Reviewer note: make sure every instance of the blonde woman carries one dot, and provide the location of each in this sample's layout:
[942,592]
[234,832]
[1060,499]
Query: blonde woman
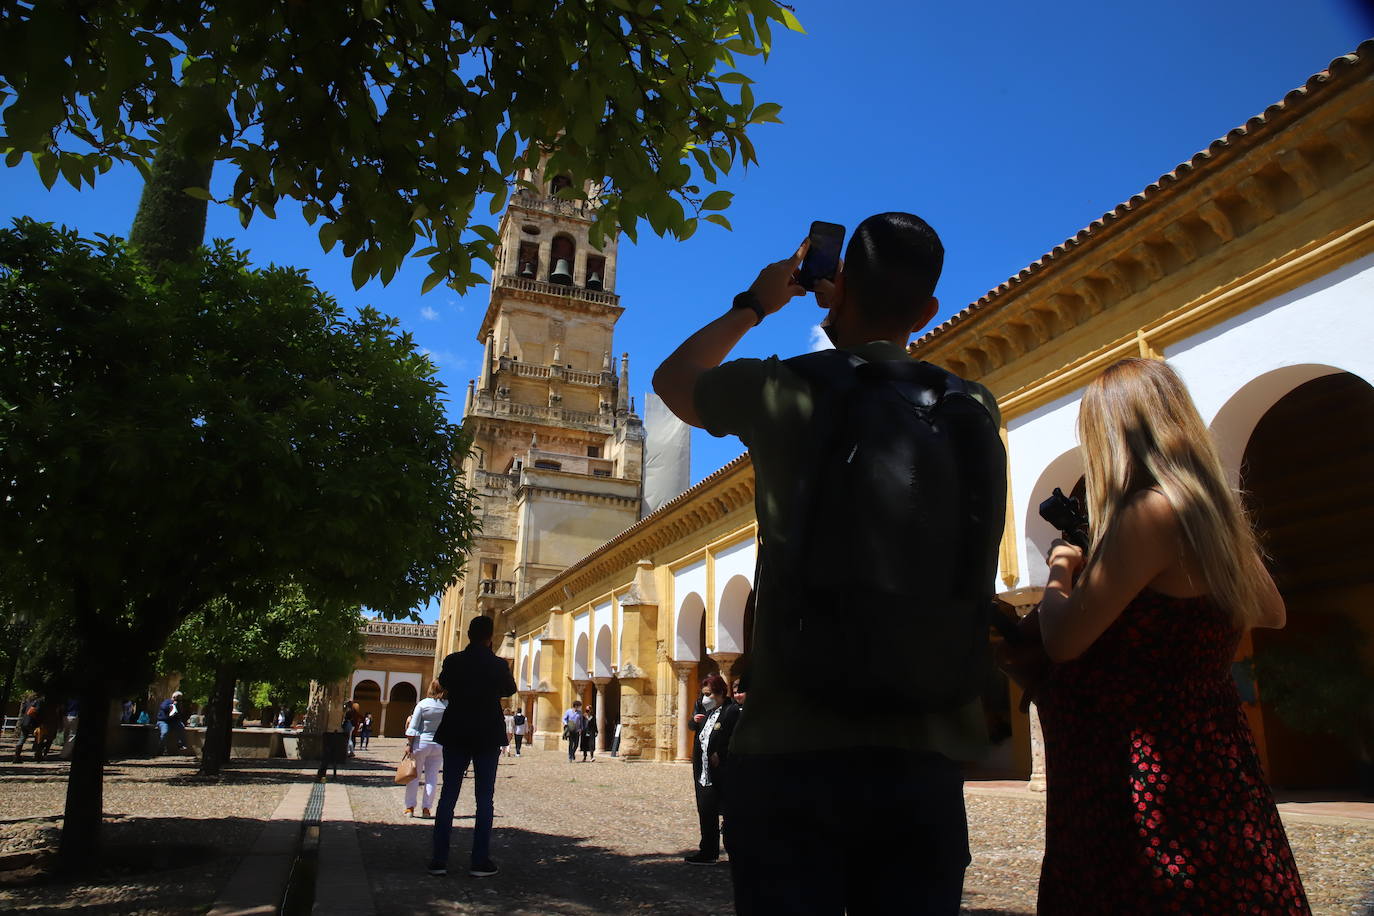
[1156,801]
[429,756]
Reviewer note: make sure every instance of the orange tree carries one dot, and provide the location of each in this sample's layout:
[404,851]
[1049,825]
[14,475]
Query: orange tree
[387,119]
[206,433]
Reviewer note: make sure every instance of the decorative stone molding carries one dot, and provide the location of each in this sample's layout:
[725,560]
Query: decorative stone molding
[630,672]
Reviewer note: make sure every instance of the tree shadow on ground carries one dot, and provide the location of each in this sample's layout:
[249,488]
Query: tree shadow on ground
[149,865]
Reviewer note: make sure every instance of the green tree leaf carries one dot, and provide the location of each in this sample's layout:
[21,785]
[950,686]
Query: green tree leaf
[717,200]
[369,115]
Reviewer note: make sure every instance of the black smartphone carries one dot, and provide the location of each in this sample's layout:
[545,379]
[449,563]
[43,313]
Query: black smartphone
[823,256]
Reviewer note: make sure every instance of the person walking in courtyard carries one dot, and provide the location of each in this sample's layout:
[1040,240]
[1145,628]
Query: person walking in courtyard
[471,732]
[365,732]
[30,715]
[589,733]
[712,729]
[510,731]
[349,726]
[518,721]
[880,497]
[1156,801]
[420,745]
[572,728]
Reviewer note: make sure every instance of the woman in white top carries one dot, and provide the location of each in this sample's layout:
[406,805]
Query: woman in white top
[429,757]
[510,730]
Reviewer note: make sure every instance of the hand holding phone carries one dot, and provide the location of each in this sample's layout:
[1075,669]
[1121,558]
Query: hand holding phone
[822,254]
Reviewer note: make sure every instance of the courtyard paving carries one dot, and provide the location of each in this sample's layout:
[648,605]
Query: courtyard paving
[599,837]
[608,837]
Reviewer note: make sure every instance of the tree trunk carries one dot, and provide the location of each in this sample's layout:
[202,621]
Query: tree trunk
[219,723]
[170,224]
[80,846]
[14,670]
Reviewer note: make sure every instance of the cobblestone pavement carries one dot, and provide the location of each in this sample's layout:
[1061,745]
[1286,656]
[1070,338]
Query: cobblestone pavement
[606,837]
[601,837]
[172,839]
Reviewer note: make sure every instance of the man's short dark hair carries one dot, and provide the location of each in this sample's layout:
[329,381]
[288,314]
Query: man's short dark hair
[480,629]
[892,264]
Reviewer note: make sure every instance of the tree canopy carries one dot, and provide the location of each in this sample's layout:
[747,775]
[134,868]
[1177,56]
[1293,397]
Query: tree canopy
[210,432]
[386,119]
[288,640]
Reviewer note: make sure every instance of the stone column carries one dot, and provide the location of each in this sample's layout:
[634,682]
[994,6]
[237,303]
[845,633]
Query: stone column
[548,721]
[1037,749]
[601,737]
[726,660]
[684,709]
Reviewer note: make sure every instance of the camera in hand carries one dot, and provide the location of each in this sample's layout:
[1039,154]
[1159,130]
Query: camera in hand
[1068,515]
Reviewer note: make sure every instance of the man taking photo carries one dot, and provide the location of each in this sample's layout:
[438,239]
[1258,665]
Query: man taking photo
[880,494]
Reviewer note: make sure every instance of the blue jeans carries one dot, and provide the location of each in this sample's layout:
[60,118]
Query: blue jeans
[484,777]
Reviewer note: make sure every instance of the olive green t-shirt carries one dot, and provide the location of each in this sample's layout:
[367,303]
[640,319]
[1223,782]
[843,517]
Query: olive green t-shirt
[769,407]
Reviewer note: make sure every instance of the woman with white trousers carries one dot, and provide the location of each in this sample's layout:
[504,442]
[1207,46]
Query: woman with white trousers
[429,757]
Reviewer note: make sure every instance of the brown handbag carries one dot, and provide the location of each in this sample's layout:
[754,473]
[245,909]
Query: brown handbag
[405,770]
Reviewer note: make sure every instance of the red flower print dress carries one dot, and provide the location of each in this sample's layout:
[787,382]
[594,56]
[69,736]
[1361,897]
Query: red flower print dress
[1156,802]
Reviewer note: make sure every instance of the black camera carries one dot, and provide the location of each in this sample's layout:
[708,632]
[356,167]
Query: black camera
[1068,515]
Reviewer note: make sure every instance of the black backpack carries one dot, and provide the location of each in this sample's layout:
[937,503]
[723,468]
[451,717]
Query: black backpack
[890,563]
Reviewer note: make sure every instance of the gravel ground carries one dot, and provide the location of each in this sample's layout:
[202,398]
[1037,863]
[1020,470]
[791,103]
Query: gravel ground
[172,839]
[601,837]
[605,837]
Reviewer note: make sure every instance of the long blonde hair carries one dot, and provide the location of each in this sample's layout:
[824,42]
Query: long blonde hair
[1139,429]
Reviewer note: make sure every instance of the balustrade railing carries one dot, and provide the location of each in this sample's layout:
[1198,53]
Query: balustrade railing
[557,289]
[485,405]
[496,588]
[531,370]
[555,205]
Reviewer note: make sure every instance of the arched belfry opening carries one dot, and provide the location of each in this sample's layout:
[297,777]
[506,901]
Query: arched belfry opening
[562,257]
[1308,472]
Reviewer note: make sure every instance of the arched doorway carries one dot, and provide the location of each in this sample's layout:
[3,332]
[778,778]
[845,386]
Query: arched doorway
[401,705]
[1308,470]
[368,695]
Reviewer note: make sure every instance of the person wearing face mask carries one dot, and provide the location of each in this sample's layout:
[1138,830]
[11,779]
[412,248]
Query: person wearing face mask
[713,721]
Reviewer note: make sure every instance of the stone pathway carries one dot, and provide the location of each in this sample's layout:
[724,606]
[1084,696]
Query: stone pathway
[172,839]
[606,837]
[600,837]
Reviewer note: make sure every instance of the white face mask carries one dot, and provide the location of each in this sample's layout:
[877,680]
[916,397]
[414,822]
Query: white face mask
[708,702]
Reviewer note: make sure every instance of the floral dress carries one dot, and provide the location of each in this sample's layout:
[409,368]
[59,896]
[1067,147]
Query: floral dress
[1156,802]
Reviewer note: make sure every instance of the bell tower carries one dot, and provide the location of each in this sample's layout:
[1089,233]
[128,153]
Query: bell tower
[558,450]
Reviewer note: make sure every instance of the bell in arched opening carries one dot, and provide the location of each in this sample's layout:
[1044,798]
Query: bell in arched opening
[594,280]
[527,271]
[562,273]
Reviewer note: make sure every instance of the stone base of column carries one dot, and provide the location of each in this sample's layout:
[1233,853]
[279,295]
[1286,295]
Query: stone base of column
[1036,783]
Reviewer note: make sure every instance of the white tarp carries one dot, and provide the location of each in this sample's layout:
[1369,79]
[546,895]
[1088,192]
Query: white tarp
[667,455]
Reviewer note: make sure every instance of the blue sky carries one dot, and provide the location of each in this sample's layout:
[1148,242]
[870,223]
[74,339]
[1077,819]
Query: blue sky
[1006,125]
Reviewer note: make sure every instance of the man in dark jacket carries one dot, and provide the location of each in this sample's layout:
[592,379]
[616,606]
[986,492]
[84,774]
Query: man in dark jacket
[473,731]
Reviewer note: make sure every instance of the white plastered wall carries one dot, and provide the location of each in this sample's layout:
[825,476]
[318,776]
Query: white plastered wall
[580,641]
[1235,370]
[603,651]
[689,583]
[736,560]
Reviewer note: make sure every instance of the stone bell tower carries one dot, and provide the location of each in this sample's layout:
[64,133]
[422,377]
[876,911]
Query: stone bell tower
[558,450]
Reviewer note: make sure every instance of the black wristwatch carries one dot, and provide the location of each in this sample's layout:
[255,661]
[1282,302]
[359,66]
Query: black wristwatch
[747,300]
